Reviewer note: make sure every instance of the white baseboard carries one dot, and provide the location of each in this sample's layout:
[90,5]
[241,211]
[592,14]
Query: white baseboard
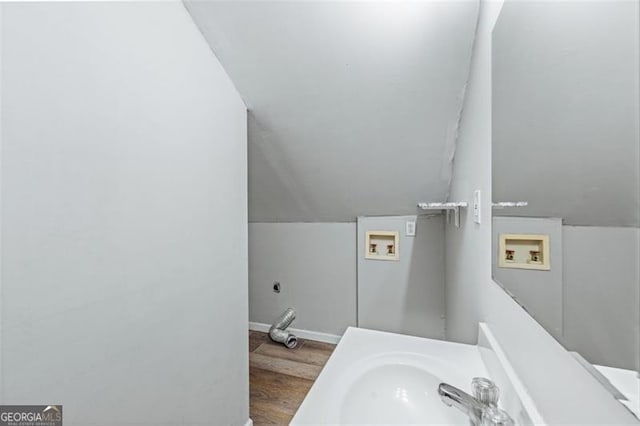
[249,422]
[305,334]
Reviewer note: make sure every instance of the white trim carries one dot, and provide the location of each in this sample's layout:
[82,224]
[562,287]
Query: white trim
[485,333]
[249,422]
[305,334]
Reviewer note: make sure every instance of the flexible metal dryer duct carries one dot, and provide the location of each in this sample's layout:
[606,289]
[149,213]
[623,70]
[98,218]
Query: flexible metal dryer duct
[278,332]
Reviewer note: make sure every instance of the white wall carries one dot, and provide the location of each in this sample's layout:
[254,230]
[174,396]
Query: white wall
[326,279]
[589,298]
[342,95]
[564,392]
[124,254]
[566,110]
[404,296]
[601,277]
[540,292]
[315,264]
[1,142]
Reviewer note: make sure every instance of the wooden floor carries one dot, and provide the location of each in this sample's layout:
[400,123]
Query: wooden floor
[280,378]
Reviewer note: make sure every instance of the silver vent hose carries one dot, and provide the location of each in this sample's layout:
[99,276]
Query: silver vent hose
[278,332]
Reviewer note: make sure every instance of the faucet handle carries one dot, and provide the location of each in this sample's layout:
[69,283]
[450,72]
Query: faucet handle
[485,391]
[493,416]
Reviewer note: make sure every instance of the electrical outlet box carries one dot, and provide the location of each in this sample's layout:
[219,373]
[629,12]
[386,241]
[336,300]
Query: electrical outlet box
[524,251]
[382,245]
[410,228]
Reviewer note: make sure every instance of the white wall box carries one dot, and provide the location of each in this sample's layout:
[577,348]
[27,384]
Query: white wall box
[524,251]
[382,245]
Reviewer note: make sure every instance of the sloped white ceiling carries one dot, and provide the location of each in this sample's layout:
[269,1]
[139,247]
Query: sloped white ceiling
[566,113]
[353,106]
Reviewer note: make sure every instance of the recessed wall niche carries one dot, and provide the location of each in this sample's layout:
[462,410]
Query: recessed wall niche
[524,251]
[382,245]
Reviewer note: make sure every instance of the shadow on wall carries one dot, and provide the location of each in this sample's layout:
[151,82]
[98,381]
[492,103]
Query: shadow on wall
[404,296]
[270,165]
[426,268]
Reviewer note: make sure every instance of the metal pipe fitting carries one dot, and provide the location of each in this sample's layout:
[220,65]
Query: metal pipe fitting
[278,332]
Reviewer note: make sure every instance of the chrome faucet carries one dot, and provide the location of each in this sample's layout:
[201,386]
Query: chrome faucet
[481,408]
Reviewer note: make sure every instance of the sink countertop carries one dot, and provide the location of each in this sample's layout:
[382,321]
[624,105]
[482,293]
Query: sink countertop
[454,363]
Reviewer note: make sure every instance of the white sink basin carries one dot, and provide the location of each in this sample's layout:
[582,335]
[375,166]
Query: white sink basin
[384,378]
[391,389]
